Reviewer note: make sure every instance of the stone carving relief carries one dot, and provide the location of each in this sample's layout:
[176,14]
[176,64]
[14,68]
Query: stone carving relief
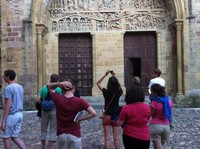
[171,10]
[99,15]
[107,20]
[142,4]
[97,5]
[72,23]
[145,20]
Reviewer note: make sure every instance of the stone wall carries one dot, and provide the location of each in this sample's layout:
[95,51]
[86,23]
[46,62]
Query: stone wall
[107,54]
[192,56]
[17,46]
[194,63]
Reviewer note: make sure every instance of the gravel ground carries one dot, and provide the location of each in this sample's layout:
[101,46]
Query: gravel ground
[185,135]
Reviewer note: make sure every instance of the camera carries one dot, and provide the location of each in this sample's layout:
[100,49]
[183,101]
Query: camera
[111,71]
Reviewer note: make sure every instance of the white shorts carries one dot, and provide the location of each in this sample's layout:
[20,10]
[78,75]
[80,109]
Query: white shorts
[68,141]
[13,125]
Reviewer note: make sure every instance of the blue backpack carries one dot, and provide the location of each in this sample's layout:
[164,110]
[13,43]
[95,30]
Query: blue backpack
[47,103]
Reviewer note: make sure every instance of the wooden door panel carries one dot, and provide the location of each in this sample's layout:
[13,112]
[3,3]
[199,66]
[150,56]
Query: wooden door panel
[140,45]
[75,60]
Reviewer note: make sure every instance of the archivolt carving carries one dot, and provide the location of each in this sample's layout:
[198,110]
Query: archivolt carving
[88,5]
[98,15]
[171,10]
[141,4]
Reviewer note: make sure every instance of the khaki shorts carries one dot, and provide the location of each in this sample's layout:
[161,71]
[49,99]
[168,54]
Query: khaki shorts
[159,132]
[48,119]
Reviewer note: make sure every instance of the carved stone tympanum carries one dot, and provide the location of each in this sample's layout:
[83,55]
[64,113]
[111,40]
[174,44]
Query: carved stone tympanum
[109,15]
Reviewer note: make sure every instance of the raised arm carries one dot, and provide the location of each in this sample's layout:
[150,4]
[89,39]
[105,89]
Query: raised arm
[66,85]
[101,79]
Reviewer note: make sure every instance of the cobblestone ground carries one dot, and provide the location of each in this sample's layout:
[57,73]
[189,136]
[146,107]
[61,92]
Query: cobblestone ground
[185,135]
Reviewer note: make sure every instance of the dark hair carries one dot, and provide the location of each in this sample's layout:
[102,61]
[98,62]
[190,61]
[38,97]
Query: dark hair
[10,73]
[73,82]
[113,85]
[54,78]
[135,94]
[157,71]
[68,88]
[158,89]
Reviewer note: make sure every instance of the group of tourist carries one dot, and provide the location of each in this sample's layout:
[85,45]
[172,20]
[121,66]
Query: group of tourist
[140,122]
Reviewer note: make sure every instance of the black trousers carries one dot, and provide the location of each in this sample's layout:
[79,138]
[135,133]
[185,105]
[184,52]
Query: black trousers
[133,143]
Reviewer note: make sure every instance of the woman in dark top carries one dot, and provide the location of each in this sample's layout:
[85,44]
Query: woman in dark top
[113,92]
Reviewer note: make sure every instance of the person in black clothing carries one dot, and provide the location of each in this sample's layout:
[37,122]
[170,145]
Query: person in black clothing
[111,96]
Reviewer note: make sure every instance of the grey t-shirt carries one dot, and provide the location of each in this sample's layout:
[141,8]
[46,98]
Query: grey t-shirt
[15,92]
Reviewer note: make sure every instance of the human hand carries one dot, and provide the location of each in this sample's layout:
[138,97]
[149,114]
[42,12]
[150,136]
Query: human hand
[38,100]
[112,72]
[66,85]
[107,72]
[77,121]
[2,127]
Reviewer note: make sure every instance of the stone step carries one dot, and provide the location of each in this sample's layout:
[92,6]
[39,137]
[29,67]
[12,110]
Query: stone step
[97,102]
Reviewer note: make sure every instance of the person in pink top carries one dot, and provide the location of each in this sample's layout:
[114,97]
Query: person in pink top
[134,117]
[161,111]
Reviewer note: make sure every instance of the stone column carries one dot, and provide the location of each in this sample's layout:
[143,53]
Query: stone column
[159,56]
[41,71]
[179,25]
[94,49]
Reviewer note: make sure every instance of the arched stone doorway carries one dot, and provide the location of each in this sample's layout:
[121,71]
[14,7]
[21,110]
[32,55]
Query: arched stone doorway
[103,23]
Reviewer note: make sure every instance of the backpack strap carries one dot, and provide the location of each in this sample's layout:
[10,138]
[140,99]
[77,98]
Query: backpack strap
[48,96]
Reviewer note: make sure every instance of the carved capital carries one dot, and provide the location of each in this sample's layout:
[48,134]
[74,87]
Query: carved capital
[178,25]
[158,33]
[41,29]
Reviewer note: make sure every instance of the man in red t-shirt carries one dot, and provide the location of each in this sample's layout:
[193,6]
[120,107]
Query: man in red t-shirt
[67,106]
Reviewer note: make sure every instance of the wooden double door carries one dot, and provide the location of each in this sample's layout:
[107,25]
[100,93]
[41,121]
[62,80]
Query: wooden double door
[140,56]
[75,60]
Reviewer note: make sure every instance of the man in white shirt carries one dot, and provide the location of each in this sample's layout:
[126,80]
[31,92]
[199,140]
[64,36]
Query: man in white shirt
[156,79]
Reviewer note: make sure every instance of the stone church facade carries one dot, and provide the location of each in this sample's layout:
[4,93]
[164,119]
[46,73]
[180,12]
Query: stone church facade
[81,39]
